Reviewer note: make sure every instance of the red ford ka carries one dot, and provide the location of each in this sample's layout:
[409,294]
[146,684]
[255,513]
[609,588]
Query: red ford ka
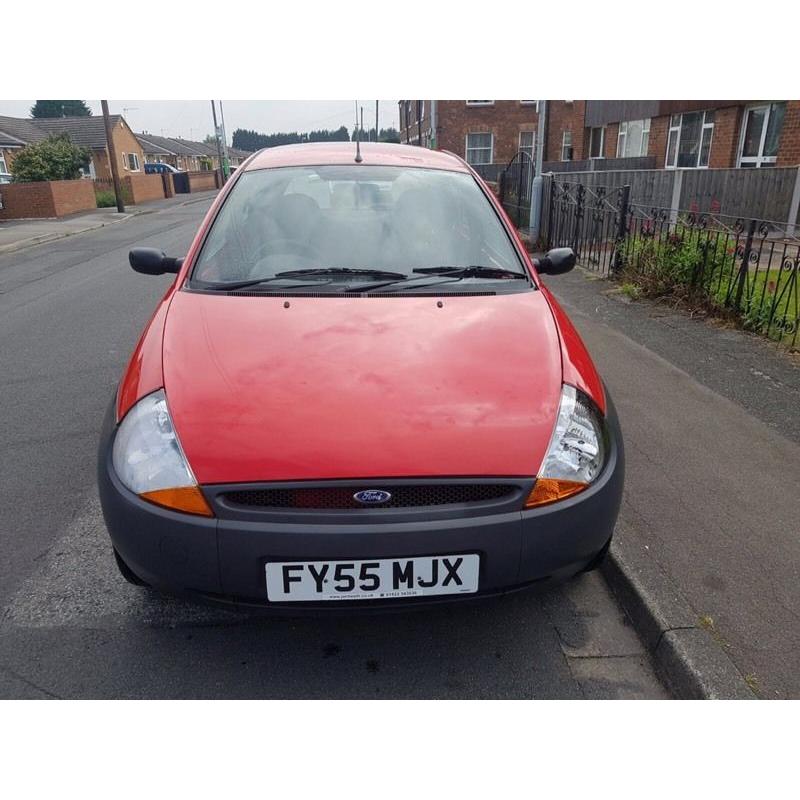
[357,390]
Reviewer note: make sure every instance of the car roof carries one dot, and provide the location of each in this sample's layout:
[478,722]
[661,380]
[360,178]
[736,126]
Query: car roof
[372,153]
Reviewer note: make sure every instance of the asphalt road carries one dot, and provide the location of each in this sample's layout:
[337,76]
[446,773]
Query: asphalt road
[70,313]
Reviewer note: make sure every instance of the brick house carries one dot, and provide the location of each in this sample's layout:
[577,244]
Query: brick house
[483,132]
[179,153]
[662,134]
[86,132]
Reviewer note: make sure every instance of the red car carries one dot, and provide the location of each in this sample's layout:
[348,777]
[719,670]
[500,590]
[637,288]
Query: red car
[358,390]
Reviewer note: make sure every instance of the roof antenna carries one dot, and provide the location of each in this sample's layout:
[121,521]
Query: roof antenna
[358,137]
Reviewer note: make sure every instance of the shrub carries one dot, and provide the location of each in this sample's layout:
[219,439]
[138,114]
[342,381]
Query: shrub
[55,158]
[683,262]
[105,199]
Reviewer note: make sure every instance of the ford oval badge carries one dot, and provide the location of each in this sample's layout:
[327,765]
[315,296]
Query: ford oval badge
[372,496]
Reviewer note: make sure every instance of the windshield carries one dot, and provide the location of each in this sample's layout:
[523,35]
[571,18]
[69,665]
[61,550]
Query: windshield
[351,217]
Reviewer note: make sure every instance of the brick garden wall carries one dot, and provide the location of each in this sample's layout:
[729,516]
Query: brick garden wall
[42,199]
[141,188]
[202,181]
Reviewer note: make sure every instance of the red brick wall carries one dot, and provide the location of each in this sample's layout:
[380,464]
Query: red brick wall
[142,188]
[725,140]
[46,199]
[565,116]
[612,134]
[202,181]
[657,145]
[505,119]
[789,147]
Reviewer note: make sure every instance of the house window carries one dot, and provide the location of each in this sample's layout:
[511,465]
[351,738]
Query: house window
[480,102]
[597,139]
[133,162]
[530,103]
[527,142]
[479,148]
[3,167]
[761,133]
[566,146]
[689,142]
[420,110]
[633,139]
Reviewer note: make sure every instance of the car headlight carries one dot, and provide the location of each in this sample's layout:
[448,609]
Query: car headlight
[577,451]
[148,458]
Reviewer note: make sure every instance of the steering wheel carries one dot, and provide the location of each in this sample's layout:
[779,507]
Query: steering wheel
[286,246]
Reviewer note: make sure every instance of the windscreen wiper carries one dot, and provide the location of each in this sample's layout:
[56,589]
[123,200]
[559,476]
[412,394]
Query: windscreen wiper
[379,273]
[231,285]
[472,271]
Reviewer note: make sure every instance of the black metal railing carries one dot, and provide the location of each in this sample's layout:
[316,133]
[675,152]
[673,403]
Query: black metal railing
[489,172]
[749,268]
[515,184]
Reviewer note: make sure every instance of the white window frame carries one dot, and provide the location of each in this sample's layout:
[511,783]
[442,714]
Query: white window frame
[421,109]
[125,161]
[480,102]
[467,148]
[530,103]
[644,140]
[602,129]
[759,160]
[138,166]
[532,148]
[565,144]
[3,165]
[676,129]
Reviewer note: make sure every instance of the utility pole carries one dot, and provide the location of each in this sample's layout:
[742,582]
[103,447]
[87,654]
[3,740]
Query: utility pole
[112,157]
[219,145]
[224,142]
[376,122]
[419,123]
[362,119]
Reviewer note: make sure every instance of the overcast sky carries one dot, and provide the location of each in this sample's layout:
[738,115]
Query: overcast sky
[191,119]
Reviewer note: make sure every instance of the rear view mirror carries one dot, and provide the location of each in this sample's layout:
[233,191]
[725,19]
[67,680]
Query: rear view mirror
[556,262]
[151,261]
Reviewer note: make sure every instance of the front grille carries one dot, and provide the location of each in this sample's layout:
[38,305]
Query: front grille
[341,497]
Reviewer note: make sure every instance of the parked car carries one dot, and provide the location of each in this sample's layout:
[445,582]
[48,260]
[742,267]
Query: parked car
[357,392]
[152,168]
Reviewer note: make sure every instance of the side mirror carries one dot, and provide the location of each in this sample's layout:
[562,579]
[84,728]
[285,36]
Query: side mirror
[556,262]
[151,261]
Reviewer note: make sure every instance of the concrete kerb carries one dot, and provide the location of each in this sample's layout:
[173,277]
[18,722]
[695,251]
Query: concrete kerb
[691,663]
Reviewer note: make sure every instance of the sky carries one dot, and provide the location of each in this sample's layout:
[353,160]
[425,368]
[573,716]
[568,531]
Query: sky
[191,119]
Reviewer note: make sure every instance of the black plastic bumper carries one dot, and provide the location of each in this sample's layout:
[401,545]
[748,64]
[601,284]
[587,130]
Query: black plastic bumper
[223,560]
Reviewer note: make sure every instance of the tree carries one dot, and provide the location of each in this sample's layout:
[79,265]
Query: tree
[55,158]
[48,109]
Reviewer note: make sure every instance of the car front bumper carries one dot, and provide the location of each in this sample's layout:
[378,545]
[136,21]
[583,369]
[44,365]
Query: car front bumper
[222,560]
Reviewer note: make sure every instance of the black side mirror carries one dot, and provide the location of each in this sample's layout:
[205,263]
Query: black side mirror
[151,261]
[556,262]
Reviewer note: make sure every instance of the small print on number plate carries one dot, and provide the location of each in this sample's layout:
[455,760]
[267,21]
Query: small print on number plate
[380,579]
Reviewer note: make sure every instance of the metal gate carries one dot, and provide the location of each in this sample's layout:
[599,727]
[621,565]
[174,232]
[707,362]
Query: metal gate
[592,222]
[516,182]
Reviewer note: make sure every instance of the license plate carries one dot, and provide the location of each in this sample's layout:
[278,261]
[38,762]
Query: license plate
[379,579]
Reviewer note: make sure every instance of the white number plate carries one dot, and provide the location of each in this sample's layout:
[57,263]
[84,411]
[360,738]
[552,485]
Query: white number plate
[378,579]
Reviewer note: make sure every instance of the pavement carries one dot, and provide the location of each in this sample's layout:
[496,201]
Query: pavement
[70,314]
[712,436]
[18,234]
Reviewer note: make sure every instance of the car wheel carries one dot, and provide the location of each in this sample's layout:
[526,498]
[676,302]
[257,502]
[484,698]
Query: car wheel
[127,572]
